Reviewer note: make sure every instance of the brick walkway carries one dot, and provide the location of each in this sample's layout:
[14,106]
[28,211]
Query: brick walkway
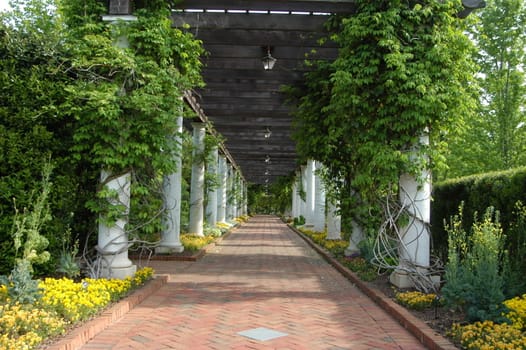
[262,279]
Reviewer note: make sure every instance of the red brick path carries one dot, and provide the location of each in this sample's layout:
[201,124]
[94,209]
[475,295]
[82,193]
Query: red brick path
[262,275]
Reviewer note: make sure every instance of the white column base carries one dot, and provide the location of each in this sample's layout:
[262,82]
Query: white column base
[118,272]
[169,249]
[352,251]
[402,280]
[116,265]
[357,236]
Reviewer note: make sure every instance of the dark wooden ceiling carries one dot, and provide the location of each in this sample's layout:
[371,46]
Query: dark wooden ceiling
[241,99]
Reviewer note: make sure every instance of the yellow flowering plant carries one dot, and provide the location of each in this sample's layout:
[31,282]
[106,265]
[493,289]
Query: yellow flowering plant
[193,243]
[416,300]
[63,302]
[488,335]
[517,311]
[24,327]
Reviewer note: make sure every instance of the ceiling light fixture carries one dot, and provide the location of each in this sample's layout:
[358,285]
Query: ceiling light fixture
[268,133]
[267,60]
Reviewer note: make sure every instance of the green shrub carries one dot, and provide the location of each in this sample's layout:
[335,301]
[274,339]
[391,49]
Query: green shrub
[515,268]
[501,190]
[298,221]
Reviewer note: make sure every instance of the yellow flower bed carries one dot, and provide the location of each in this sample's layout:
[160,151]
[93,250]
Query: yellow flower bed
[193,243]
[63,302]
[317,237]
[517,313]
[416,300]
[488,335]
[223,226]
[24,327]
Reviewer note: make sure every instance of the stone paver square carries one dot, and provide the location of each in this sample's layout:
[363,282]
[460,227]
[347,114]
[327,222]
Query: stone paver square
[262,334]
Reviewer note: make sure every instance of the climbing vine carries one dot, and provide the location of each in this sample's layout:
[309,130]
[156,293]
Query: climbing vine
[126,95]
[403,68]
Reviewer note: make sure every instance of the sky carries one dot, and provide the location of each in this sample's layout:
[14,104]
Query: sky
[4,4]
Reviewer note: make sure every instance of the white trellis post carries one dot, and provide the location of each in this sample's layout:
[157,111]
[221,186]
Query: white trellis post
[357,236]
[414,245]
[171,220]
[112,245]
[333,220]
[318,214]
[310,195]
[113,238]
[198,181]
[294,211]
[303,197]
[230,193]
[211,205]
[221,191]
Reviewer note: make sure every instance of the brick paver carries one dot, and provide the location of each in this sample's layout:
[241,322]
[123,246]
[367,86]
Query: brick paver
[262,275]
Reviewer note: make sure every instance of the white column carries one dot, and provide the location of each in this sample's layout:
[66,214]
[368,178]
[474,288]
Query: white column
[318,217]
[211,205]
[414,245]
[294,211]
[229,193]
[241,195]
[333,220]
[245,198]
[303,198]
[113,238]
[357,236]
[171,220]
[234,194]
[310,195]
[198,181]
[221,191]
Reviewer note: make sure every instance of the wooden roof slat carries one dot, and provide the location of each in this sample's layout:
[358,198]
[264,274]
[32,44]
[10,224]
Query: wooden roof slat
[334,6]
[218,21]
[280,52]
[246,37]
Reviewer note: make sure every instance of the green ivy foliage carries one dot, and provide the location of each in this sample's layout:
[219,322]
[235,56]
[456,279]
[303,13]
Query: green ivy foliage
[130,77]
[403,68]
[68,91]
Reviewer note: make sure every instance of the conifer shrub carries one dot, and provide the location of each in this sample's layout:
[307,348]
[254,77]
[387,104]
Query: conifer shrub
[474,270]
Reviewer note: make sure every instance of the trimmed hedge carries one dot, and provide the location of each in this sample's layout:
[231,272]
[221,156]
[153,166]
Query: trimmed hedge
[502,190]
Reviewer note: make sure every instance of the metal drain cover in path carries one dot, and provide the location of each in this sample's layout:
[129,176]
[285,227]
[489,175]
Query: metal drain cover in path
[262,334]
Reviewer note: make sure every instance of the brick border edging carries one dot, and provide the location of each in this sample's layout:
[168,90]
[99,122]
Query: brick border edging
[77,337]
[425,334]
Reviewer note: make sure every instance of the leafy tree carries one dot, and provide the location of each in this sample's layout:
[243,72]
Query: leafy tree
[125,98]
[403,68]
[495,139]
[31,128]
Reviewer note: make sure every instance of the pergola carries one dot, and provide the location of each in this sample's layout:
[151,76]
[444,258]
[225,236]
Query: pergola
[254,49]
[243,100]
